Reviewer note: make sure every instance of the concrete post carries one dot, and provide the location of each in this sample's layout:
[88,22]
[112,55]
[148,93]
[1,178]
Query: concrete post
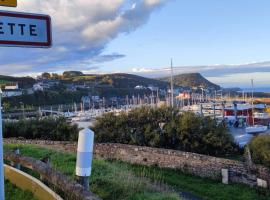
[84,157]
[46,160]
[16,165]
[261,183]
[225,176]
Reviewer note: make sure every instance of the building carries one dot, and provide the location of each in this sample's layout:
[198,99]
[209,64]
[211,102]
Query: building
[12,86]
[139,87]
[71,87]
[47,84]
[153,88]
[12,93]
[95,98]
[38,87]
[183,95]
[176,91]
[81,86]
[28,91]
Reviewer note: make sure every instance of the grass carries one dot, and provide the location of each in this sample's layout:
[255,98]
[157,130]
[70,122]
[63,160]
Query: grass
[205,188]
[13,193]
[115,180]
[3,82]
[108,180]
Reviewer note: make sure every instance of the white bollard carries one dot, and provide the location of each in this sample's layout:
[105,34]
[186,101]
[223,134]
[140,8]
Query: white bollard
[84,157]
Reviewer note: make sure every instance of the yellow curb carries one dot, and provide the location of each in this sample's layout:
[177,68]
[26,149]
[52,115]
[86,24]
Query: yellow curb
[29,183]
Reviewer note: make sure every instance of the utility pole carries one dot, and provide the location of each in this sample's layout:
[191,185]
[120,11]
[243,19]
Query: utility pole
[43,29]
[2,191]
[172,100]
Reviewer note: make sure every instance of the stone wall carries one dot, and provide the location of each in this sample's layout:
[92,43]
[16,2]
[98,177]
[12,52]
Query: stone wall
[195,164]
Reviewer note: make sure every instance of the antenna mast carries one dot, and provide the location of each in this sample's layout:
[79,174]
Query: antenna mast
[172,101]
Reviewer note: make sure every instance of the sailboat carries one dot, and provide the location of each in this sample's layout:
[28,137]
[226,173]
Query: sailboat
[255,129]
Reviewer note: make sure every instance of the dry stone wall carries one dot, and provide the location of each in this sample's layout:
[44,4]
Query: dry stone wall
[195,164]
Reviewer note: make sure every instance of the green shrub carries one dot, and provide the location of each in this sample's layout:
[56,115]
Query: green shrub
[46,129]
[260,149]
[165,128]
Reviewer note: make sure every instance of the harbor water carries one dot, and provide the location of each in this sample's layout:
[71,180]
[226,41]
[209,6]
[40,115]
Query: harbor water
[241,137]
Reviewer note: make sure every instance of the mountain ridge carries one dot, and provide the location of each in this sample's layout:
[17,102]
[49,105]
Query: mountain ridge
[192,80]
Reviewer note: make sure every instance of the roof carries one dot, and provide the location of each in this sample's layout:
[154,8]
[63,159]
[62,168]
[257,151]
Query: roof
[10,90]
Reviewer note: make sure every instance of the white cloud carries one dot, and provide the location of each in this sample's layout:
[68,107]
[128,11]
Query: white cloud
[209,70]
[143,70]
[81,29]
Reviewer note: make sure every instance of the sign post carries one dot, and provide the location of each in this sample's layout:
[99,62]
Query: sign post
[20,30]
[2,182]
[9,3]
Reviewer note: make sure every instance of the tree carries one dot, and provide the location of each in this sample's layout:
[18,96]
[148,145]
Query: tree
[166,128]
[46,129]
[70,74]
[46,75]
[6,105]
[260,149]
[55,76]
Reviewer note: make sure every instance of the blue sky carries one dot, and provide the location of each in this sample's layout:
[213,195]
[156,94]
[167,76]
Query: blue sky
[228,41]
[197,32]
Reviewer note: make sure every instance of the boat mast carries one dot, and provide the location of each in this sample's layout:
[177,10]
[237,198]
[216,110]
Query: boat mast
[172,102]
[252,99]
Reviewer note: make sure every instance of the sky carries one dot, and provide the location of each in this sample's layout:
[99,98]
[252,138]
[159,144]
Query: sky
[225,40]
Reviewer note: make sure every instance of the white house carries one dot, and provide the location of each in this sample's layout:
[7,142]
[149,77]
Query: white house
[12,93]
[139,87]
[11,86]
[38,87]
[153,88]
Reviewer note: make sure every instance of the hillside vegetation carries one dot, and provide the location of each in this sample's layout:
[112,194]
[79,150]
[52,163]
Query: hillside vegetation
[192,80]
[117,80]
[73,85]
[24,82]
[260,149]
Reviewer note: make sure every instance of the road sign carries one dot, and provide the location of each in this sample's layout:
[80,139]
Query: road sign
[9,3]
[25,30]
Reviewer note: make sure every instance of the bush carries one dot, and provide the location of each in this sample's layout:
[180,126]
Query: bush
[165,128]
[58,95]
[260,149]
[57,129]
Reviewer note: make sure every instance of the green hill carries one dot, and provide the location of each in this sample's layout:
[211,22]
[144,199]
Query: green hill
[192,80]
[117,80]
[107,85]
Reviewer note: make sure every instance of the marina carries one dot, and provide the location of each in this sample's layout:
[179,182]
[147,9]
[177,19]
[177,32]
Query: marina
[237,117]
[243,119]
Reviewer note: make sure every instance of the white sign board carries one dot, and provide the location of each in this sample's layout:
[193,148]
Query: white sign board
[25,30]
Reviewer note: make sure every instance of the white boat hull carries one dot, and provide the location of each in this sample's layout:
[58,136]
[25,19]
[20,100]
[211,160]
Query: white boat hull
[256,129]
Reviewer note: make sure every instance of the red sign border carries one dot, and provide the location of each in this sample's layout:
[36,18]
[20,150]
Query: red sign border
[29,16]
